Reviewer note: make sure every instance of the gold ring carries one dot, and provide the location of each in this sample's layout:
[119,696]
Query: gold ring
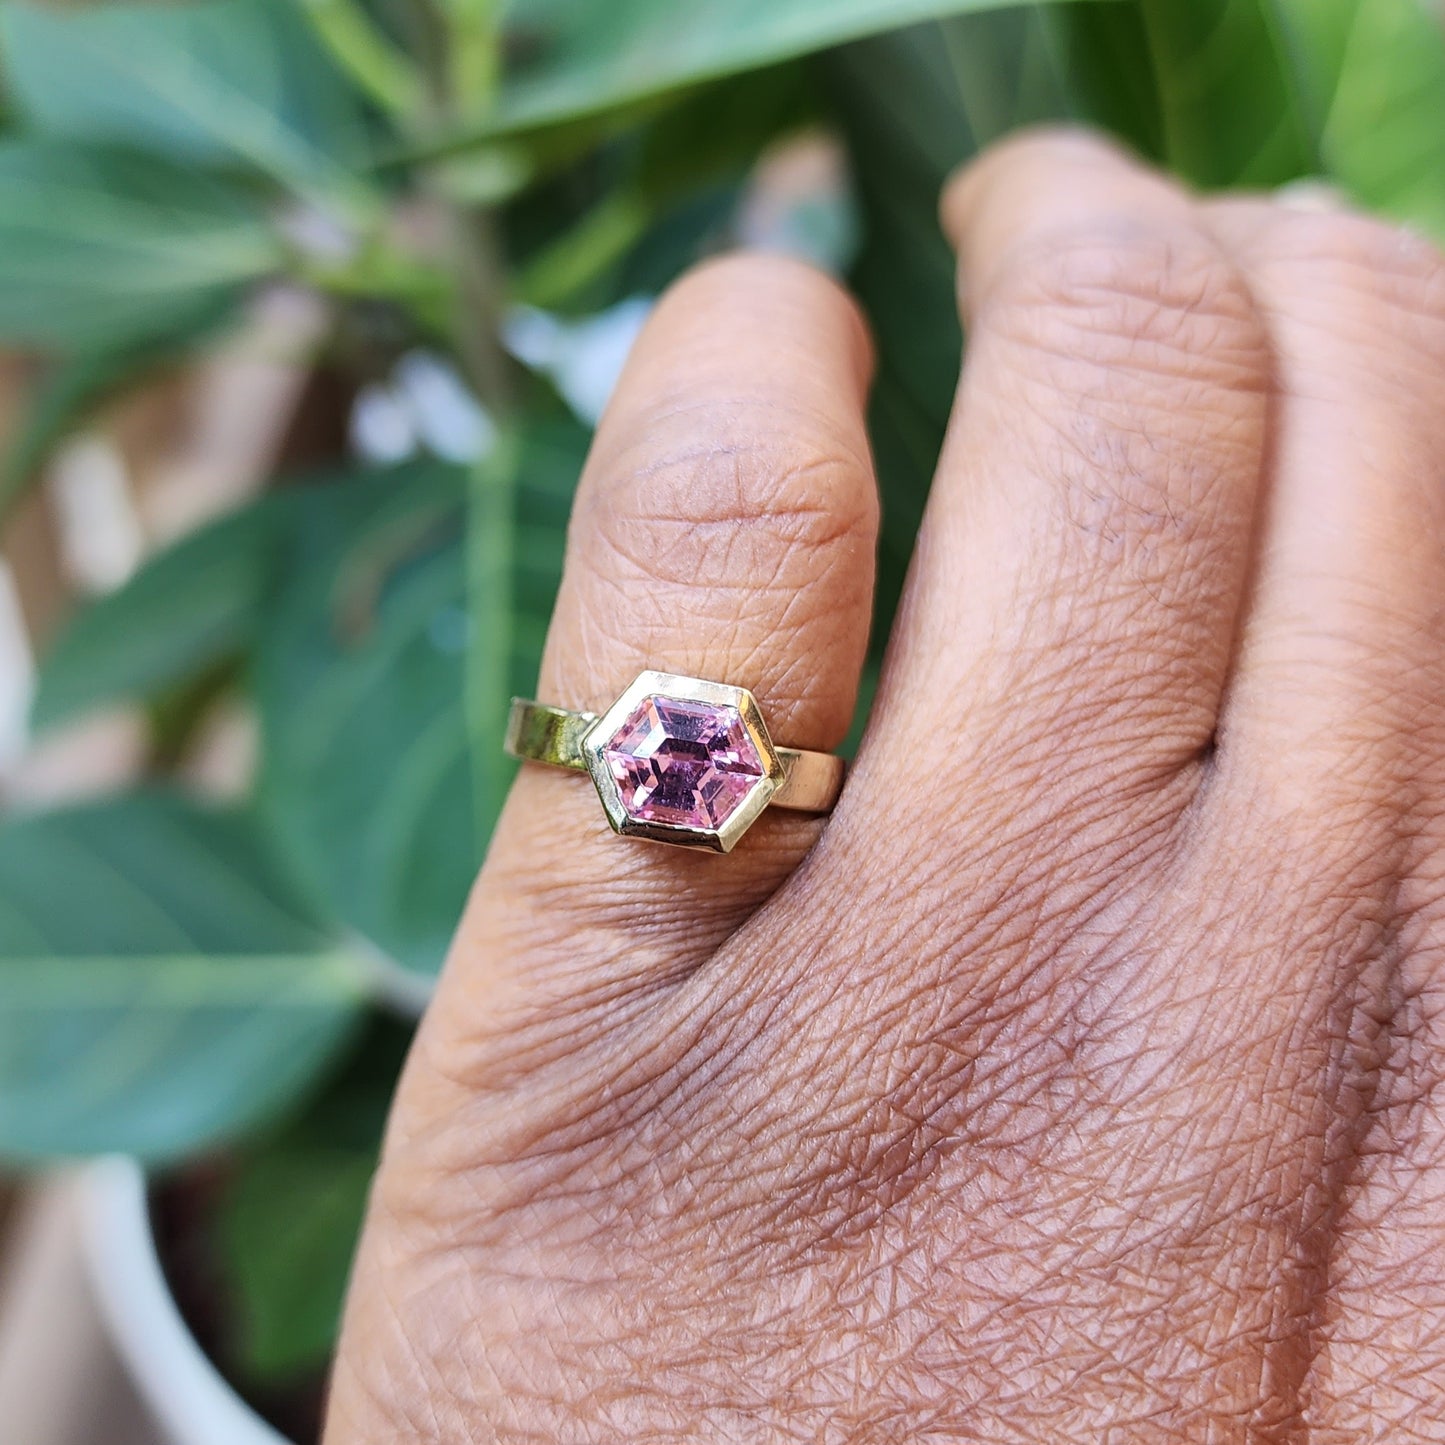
[678,760]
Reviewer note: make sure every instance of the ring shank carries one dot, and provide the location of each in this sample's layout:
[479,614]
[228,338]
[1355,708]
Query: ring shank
[540,733]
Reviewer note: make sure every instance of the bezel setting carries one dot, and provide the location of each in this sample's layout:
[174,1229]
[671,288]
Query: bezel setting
[669,686]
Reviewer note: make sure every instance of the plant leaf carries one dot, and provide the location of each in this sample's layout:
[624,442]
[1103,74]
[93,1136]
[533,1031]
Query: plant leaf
[378,769]
[291,1213]
[162,985]
[683,172]
[289,1231]
[192,606]
[1260,92]
[364,51]
[573,60]
[518,503]
[366,771]
[1232,110]
[102,248]
[1103,50]
[218,82]
[1375,73]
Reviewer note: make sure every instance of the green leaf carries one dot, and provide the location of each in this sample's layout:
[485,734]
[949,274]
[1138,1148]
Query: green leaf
[677,178]
[361,48]
[1232,111]
[527,497]
[291,1213]
[366,772]
[290,1230]
[192,606]
[162,985]
[1374,74]
[716,132]
[701,147]
[1260,92]
[1103,48]
[572,60]
[573,265]
[219,82]
[379,768]
[688,231]
[102,248]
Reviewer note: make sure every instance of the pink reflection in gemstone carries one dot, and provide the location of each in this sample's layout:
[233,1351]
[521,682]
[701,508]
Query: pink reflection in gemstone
[683,762]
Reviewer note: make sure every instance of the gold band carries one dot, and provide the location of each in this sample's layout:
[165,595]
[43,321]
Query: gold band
[539,733]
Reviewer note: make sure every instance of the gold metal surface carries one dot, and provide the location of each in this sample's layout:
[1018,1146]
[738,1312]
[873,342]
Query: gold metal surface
[813,783]
[552,735]
[796,779]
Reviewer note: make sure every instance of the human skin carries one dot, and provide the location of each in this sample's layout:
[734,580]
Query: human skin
[1080,1079]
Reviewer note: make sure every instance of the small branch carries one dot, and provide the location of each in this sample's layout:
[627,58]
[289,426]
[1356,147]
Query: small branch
[381,69]
[481,289]
[443,28]
[474,65]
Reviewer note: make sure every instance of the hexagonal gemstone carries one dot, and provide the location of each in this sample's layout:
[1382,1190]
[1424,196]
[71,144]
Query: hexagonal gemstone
[678,761]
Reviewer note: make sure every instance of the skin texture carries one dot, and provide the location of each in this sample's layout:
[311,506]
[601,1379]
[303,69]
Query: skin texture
[1080,1078]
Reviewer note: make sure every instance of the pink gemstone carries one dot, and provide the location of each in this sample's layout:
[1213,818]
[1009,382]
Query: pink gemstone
[683,762]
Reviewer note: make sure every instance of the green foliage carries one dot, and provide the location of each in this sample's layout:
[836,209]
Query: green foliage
[219,83]
[1260,92]
[366,773]
[1232,108]
[291,1211]
[379,68]
[373,778]
[348,599]
[575,60]
[289,1229]
[193,606]
[701,144]
[175,978]
[1374,71]
[100,247]
[164,984]
[519,499]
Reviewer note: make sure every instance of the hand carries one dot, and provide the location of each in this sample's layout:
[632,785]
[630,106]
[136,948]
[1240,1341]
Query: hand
[1080,1079]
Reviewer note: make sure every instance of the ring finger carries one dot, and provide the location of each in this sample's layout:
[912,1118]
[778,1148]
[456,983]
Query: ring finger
[724,528]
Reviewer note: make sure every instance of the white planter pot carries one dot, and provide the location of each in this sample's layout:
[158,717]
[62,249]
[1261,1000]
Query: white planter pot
[182,1388]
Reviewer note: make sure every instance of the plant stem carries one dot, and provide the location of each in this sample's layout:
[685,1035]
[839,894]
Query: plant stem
[491,508]
[442,28]
[380,68]
[457,29]
[480,291]
[474,65]
[601,238]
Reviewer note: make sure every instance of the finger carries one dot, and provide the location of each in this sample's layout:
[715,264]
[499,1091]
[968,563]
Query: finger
[724,528]
[1333,735]
[1053,681]
[1340,640]
[1072,603]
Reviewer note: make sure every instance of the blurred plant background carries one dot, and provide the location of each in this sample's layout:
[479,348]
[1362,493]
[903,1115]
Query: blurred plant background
[438,223]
